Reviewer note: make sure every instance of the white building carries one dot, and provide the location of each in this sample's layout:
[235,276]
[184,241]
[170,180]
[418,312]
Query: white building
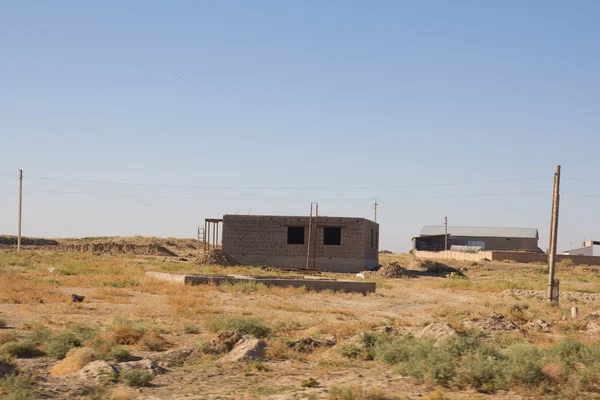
[590,248]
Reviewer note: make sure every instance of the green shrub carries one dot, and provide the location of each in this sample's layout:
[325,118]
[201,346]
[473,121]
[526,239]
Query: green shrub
[39,335]
[309,383]
[2,323]
[523,365]
[349,350]
[191,329]
[59,345]
[481,370]
[568,352]
[23,349]
[119,354]
[83,332]
[136,377]
[17,387]
[247,326]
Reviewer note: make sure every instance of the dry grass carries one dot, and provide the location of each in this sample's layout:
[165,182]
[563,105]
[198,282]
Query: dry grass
[122,393]
[6,337]
[18,289]
[76,359]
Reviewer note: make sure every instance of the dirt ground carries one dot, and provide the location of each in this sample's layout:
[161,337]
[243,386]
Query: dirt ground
[37,288]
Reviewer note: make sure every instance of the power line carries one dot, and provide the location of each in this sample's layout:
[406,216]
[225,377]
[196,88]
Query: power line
[282,188]
[274,199]
[582,194]
[581,180]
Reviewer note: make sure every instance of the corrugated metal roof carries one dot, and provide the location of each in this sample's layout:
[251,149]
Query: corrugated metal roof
[531,233]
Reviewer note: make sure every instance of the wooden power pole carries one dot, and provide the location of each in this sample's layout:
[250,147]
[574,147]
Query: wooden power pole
[553,285]
[20,208]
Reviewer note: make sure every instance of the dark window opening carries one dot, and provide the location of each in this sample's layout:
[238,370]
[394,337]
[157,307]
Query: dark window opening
[372,237]
[332,236]
[377,240]
[295,235]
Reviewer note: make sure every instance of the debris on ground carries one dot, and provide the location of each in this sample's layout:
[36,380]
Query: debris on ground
[308,345]
[493,324]
[392,269]
[148,365]
[435,268]
[224,343]
[248,349]
[543,295]
[440,331]
[216,257]
[175,357]
[539,325]
[76,298]
[592,321]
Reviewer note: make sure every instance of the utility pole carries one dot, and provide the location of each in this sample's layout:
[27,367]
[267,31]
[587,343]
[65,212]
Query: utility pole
[20,208]
[553,285]
[375,208]
[446,234]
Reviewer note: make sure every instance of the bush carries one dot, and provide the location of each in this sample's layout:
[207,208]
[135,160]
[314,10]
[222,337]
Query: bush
[153,342]
[59,345]
[349,350]
[524,365]
[2,323]
[481,370]
[76,359]
[191,329]
[39,335]
[568,352]
[6,337]
[246,326]
[23,349]
[309,383]
[17,387]
[119,354]
[136,378]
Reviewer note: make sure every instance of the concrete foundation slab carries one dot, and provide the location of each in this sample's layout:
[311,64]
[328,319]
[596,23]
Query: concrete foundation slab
[310,282]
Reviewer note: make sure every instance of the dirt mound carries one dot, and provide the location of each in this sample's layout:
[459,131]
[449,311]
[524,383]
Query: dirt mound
[435,268]
[25,241]
[224,343]
[493,324]
[539,325]
[216,257]
[543,295]
[308,345]
[390,270]
[248,349]
[440,331]
[117,248]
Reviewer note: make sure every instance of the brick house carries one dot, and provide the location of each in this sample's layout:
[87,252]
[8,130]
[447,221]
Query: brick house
[338,244]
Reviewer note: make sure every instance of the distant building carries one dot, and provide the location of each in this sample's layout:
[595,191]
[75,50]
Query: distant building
[467,238]
[339,244]
[590,248]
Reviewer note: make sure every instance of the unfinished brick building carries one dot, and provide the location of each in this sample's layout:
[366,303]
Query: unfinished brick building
[338,244]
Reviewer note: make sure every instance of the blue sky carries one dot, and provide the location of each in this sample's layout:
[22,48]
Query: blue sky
[275,94]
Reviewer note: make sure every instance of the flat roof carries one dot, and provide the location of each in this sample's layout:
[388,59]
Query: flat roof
[475,231]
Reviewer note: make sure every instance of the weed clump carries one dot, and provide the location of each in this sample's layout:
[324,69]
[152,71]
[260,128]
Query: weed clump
[17,387]
[136,378]
[246,326]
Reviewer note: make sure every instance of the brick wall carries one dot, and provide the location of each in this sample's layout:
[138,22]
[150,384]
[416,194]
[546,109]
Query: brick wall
[256,237]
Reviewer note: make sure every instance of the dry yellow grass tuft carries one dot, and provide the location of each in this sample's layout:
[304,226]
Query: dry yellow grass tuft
[76,359]
[122,393]
[24,290]
[6,337]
